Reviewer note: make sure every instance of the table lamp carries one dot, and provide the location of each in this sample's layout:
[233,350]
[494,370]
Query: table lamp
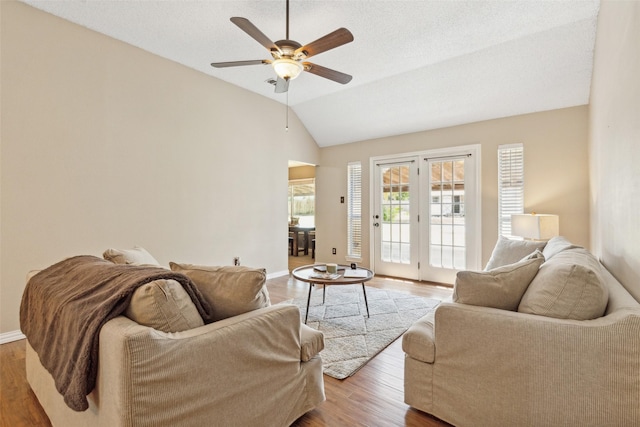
[535,226]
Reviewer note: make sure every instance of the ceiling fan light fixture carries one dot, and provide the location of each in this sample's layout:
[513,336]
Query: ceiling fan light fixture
[287,69]
[288,55]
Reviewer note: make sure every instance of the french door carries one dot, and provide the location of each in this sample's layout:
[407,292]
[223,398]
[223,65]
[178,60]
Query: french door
[395,219]
[451,210]
[426,214]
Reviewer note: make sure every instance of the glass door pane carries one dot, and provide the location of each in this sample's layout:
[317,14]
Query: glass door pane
[447,246]
[396,215]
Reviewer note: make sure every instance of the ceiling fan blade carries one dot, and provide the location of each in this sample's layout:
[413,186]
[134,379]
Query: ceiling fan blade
[239,63]
[327,73]
[246,26]
[332,40]
[282,85]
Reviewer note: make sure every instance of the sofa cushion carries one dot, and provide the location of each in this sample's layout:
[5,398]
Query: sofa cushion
[163,305]
[557,244]
[311,342]
[419,340]
[135,256]
[501,287]
[569,286]
[508,251]
[229,290]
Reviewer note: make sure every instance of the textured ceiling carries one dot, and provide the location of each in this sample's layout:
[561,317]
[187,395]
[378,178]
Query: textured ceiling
[416,65]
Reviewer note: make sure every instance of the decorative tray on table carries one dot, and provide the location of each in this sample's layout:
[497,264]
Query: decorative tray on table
[325,275]
[323,268]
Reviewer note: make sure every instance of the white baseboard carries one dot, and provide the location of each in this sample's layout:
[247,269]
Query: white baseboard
[11,336]
[277,274]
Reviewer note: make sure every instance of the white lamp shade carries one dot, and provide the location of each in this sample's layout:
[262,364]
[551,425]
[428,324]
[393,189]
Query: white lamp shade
[535,226]
[287,69]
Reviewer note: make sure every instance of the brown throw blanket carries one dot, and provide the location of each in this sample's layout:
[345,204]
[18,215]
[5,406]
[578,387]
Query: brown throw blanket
[64,306]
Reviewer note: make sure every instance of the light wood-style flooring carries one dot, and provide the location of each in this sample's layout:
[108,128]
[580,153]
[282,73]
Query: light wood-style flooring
[371,397]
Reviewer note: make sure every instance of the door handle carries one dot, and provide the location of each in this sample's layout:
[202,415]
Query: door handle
[376,224]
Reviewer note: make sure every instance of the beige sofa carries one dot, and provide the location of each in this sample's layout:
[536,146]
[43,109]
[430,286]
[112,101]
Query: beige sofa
[478,365]
[260,367]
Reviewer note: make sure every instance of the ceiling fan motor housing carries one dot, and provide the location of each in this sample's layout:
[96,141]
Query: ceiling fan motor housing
[288,49]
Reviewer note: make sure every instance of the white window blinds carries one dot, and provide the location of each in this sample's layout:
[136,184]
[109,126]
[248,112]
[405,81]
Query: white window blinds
[354,209]
[510,185]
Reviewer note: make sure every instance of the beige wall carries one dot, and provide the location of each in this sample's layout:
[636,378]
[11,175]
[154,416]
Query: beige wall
[614,118]
[105,145]
[556,174]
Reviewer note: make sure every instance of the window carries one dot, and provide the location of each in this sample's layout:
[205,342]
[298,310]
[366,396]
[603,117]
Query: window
[354,210]
[302,202]
[510,185]
[458,205]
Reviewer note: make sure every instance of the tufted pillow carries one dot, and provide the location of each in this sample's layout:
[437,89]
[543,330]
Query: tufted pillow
[230,290]
[501,287]
[163,305]
[568,286]
[508,251]
[135,256]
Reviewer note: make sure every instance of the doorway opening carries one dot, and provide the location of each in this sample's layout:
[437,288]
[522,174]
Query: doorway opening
[301,212]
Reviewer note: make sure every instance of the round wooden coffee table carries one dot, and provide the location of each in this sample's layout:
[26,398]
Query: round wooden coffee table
[308,274]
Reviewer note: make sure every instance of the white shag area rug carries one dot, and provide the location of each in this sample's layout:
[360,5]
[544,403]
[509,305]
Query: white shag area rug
[351,339]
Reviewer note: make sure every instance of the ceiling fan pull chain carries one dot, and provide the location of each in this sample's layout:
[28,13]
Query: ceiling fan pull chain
[286,128]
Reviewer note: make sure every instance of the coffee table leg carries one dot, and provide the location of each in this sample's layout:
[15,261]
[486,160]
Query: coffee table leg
[365,300]
[308,302]
[324,292]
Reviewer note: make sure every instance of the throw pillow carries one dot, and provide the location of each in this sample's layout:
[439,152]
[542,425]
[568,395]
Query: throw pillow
[557,244]
[501,288]
[135,256]
[535,254]
[230,290]
[163,305]
[508,251]
[568,286]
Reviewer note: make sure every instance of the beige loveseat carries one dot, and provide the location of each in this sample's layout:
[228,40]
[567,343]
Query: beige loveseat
[258,368]
[479,365]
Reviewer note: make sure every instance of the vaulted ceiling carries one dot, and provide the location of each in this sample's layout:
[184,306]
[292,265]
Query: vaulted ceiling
[416,65]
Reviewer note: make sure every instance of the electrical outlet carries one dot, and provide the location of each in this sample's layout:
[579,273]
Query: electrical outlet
[236,260]
[333,251]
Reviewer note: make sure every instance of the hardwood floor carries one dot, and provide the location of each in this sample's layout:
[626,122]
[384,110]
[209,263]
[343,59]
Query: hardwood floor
[371,397]
[18,405]
[299,261]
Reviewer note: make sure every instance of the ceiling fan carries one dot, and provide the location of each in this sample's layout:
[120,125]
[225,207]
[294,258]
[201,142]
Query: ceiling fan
[289,56]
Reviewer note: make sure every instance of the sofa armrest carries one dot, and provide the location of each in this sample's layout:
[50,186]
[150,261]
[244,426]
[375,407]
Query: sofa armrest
[311,342]
[226,371]
[495,358]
